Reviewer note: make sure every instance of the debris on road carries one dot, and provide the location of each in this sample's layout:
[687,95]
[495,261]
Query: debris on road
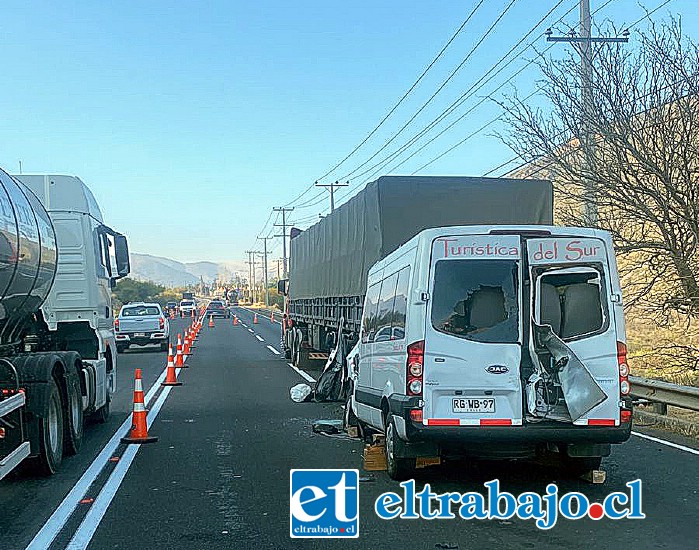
[596,477]
[328,426]
[375,455]
[300,393]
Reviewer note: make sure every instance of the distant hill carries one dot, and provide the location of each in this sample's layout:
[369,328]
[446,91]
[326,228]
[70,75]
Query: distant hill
[164,271]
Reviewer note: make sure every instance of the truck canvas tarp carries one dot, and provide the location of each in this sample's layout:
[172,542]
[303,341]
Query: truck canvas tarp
[332,258]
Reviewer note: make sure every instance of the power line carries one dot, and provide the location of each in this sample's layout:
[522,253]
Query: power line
[517,157]
[400,101]
[315,200]
[458,102]
[406,94]
[441,87]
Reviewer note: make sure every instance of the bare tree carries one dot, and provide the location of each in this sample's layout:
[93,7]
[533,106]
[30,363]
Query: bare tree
[638,148]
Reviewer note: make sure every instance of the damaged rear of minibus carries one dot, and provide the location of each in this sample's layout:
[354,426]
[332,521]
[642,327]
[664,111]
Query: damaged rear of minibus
[511,344]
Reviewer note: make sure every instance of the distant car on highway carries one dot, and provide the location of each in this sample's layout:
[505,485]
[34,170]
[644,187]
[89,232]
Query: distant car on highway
[187,307]
[217,308]
[172,306]
[141,324]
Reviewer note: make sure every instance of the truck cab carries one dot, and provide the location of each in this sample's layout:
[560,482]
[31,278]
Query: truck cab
[91,257]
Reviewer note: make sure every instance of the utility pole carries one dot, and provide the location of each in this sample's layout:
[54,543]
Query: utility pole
[264,260]
[331,187]
[583,44]
[283,235]
[251,263]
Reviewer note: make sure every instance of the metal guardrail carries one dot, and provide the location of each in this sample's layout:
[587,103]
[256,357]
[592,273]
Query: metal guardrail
[657,391]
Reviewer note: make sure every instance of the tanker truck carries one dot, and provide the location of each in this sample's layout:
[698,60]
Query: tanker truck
[58,263]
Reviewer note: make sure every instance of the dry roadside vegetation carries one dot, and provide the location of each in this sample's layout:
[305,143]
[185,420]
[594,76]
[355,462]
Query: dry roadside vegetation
[631,154]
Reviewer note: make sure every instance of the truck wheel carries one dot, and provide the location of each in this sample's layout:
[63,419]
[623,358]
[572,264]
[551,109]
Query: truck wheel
[50,434]
[397,468]
[73,436]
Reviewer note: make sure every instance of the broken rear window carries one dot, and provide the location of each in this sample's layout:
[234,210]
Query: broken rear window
[570,300]
[476,300]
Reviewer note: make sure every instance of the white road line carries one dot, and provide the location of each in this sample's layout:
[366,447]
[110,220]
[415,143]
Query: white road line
[668,443]
[274,351]
[307,376]
[62,513]
[260,315]
[250,330]
[86,531]
[259,338]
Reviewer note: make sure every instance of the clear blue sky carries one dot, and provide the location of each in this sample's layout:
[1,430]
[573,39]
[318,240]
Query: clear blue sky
[191,119]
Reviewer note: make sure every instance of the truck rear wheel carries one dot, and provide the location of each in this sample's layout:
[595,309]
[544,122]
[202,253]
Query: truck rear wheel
[73,436]
[50,434]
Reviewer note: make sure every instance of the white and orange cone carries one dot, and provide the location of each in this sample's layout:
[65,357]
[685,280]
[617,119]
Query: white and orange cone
[139,424]
[171,375]
[179,359]
[254,319]
[211,321]
[271,317]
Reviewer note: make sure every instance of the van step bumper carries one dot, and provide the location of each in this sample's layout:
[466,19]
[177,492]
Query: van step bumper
[540,432]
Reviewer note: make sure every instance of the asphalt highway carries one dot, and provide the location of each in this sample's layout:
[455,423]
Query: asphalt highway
[219,475]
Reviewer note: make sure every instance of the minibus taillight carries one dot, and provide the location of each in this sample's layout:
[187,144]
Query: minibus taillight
[414,367]
[624,384]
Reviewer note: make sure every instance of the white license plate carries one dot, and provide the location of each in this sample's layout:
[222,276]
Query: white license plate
[139,334]
[473,405]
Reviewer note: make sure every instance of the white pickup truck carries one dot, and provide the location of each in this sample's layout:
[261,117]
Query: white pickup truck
[142,324]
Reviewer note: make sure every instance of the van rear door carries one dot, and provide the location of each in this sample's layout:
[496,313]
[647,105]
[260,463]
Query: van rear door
[473,332]
[573,281]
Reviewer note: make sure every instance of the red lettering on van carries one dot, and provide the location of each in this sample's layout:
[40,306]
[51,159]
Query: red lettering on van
[575,251]
[489,249]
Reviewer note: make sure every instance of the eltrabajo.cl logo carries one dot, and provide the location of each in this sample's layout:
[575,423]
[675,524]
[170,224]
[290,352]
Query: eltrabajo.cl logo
[324,503]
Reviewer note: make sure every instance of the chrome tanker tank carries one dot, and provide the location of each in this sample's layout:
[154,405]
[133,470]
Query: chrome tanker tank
[28,257]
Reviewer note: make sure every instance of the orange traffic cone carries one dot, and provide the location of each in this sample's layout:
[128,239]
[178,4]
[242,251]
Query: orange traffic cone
[235,320]
[187,343]
[211,321]
[254,319]
[171,376]
[179,360]
[271,317]
[139,425]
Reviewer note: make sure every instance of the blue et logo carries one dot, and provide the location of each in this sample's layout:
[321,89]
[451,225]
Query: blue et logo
[324,504]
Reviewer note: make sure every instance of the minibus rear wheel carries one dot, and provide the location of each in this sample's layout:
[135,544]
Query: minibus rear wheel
[397,468]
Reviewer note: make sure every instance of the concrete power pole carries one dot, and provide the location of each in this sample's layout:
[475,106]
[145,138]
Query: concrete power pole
[264,261]
[584,42]
[251,262]
[283,235]
[331,187]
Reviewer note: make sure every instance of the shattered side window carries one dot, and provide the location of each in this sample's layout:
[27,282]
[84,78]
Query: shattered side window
[476,300]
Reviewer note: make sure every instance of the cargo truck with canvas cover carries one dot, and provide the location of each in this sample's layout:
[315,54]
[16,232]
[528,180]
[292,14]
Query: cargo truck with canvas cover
[498,342]
[329,261]
[58,263]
